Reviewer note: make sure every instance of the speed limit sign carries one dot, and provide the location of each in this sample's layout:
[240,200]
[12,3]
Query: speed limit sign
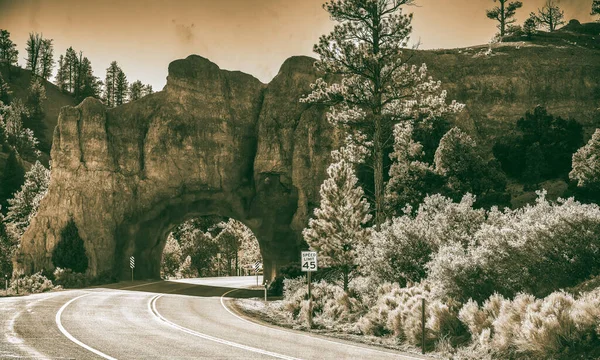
[309,261]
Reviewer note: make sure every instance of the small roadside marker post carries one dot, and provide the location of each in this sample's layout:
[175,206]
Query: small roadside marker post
[6,283]
[423,325]
[132,265]
[256,266]
[266,285]
[309,264]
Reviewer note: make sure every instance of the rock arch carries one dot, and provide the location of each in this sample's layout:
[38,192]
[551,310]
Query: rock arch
[212,142]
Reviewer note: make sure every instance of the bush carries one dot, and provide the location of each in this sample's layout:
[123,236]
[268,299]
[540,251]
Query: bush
[290,271]
[33,284]
[69,252]
[399,312]
[537,249]
[557,326]
[69,279]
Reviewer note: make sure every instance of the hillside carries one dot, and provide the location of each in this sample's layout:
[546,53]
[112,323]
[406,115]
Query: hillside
[19,85]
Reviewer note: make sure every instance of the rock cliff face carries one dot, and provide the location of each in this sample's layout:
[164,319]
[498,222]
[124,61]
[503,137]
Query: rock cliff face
[213,142]
[221,142]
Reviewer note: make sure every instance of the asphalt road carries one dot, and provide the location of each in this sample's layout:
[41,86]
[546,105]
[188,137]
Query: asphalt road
[186,319]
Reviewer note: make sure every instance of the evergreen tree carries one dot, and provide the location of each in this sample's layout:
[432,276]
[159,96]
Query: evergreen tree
[90,85]
[595,7]
[378,89]
[34,46]
[411,178]
[121,89]
[61,74]
[69,252]
[135,90]
[147,90]
[25,202]
[8,51]
[504,14]
[12,178]
[530,26]
[35,111]
[586,164]
[550,16]
[460,161]
[70,69]
[17,136]
[110,84]
[7,248]
[337,229]
[46,58]
[4,92]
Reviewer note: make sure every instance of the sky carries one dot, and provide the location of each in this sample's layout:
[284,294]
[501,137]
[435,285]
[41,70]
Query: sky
[253,36]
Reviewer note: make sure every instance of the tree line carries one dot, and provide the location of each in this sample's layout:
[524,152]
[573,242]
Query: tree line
[74,73]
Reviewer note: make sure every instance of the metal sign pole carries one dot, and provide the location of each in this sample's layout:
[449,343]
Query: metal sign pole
[309,302]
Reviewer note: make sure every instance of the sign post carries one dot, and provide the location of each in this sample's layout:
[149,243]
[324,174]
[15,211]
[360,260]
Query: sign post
[132,265]
[6,283]
[218,264]
[256,266]
[309,264]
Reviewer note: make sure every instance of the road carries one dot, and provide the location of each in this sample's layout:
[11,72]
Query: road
[185,319]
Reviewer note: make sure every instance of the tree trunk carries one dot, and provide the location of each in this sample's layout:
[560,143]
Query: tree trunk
[346,273]
[378,172]
[502,19]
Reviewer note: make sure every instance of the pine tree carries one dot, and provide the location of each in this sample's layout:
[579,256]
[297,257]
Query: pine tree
[338,227]
[46,58]
[8,51]
[34,46]
[595,7]
[550,16]
[586,164]
[110,84]
[504,14]
[19,137]
[90,85]
[4,92]
[411,178]
[121,89]
[35,111]
[135,90]
[70,69]
[12,178]
[25,202]
[378,89]
[530,26]
[61,75]
[7,248]
[147,90]
[69,252]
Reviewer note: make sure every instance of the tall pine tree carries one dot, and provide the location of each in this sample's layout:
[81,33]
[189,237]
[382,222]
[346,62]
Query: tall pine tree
[69,252]
[504,14]
[61,74]
[25,202]
[135,90]
[378,88]
[110,84]
[338,228]
[121,89]
[46,58]
[11,179]
[34,46]
[8,51]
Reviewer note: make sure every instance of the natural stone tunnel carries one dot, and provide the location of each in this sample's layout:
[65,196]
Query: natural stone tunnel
[212,142]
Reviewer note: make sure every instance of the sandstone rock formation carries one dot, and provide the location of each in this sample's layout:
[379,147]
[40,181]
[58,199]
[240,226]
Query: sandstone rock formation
[213,142]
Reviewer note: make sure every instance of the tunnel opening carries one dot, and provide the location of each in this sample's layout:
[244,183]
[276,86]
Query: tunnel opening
[210,246]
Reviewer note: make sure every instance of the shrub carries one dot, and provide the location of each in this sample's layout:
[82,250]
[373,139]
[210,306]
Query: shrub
[536,249]
[69,252]
[32,284]
[557,326]
[290,271]
[69,279]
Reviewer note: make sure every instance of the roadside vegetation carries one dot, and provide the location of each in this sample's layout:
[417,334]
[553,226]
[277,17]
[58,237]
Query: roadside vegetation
[435,225]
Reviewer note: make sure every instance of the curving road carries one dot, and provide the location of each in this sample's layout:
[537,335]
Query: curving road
[186,319]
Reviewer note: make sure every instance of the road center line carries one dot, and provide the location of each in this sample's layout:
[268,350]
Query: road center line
[400,356]
[71,337]
[154,311]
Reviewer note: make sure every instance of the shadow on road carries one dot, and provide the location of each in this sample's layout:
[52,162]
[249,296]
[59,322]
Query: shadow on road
[188,289]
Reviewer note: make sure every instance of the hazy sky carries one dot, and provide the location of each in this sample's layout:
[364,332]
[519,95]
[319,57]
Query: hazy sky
[254,36]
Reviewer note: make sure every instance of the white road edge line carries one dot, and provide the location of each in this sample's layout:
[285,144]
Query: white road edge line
[400,356]
[71,337]
[154,311]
